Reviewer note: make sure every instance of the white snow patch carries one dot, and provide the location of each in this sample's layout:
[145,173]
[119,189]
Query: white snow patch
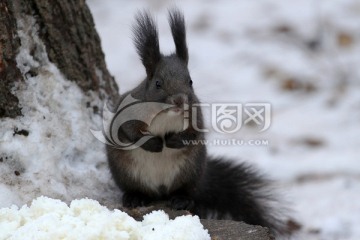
[59,157]
[48,218]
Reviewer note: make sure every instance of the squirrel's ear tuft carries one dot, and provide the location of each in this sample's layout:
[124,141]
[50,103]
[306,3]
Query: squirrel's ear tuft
[177,25]
[146,41]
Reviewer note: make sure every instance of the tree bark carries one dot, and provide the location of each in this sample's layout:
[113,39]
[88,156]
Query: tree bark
[72,44]
[9,73]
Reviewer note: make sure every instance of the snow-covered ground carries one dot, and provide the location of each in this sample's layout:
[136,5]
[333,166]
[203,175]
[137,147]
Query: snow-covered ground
[303,58]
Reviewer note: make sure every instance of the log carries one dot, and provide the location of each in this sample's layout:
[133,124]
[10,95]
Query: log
[218,229]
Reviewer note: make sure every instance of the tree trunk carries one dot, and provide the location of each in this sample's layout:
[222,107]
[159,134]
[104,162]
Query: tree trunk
[72,44]
[8,70]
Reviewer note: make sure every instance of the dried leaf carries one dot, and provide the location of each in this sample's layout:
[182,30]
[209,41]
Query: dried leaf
[344,39]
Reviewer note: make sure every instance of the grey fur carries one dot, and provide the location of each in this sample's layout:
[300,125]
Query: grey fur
[164,167]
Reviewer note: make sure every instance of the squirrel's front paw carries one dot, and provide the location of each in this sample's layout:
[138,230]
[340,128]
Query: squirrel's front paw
[154,144]
[173,140]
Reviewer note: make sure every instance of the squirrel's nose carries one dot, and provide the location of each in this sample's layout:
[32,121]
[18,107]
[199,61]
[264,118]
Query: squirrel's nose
[179,99]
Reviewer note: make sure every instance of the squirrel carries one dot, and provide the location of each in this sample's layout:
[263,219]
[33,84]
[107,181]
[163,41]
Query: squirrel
[162,166]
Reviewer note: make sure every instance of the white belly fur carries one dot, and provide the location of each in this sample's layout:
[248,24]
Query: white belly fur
[159,169]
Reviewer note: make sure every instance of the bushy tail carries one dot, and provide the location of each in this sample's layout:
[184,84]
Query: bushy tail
[237,192]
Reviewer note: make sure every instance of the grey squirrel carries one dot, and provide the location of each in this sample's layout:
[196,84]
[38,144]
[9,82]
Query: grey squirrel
[164,167]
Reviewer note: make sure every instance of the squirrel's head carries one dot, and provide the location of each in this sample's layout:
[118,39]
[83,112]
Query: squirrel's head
[168,79]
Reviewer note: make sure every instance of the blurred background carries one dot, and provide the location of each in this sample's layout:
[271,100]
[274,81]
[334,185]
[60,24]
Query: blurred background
[302,57]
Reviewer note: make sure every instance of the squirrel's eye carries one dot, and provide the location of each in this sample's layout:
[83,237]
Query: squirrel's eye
[191,82]
[158,85]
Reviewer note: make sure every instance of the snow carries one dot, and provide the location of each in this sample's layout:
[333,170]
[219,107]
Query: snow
[59,157]
[48,218]
[300,56]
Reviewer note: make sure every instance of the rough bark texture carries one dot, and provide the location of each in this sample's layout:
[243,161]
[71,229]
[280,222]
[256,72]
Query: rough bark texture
[9,73]
[72,43]
[232,230]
